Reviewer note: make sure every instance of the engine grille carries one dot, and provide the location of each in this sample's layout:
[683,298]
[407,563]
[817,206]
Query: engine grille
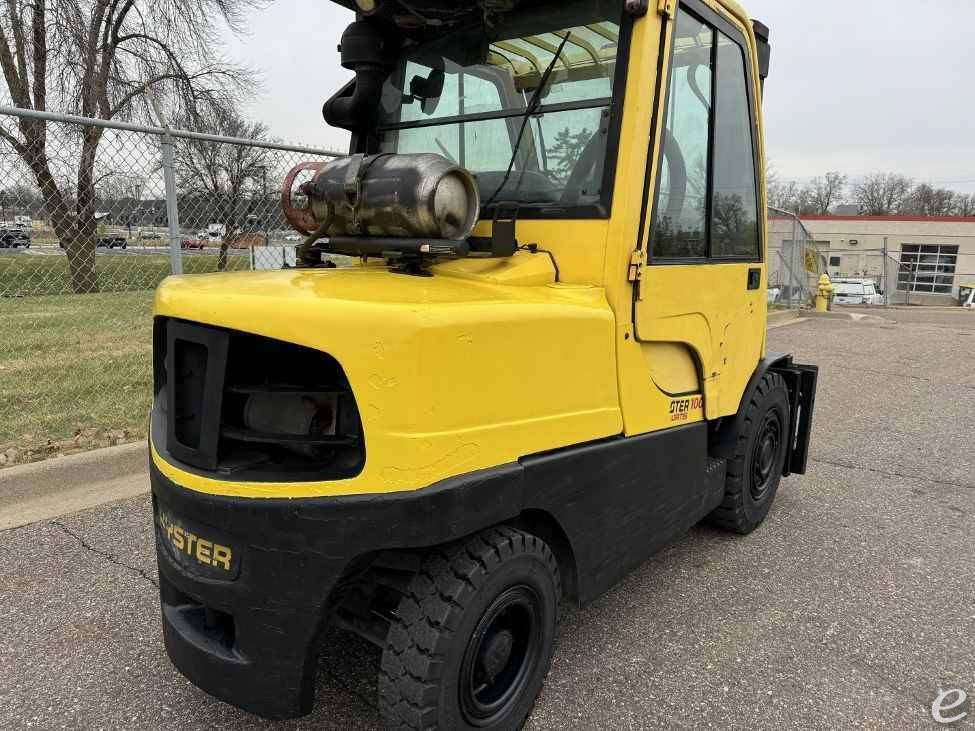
[257,408]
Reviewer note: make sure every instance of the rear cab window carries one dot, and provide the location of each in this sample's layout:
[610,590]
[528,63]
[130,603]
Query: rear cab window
[466,103]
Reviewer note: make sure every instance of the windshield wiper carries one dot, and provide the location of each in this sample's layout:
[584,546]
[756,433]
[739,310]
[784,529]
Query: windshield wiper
[530,109]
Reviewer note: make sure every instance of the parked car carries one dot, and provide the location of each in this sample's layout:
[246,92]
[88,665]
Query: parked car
[193,244]
[856,292]
[292,237]
[151,236]
[966,296]
[11,238]
[112,242]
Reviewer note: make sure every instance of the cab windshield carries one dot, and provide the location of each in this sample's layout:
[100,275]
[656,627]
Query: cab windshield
[464,97]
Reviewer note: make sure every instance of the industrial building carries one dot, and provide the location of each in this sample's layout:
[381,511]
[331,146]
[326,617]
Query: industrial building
[919,260]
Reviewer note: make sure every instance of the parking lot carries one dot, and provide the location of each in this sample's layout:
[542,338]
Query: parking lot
[853,605]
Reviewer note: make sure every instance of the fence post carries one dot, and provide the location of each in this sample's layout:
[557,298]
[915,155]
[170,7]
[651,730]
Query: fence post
[887,294]
[792,257]
[172,210]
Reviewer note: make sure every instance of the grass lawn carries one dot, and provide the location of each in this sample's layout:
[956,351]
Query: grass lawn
[75,370]
[31,275]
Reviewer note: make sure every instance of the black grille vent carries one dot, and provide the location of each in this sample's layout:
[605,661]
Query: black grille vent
[257,408]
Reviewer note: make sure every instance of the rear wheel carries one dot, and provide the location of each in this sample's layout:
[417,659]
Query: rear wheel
[755,469]
[472,640]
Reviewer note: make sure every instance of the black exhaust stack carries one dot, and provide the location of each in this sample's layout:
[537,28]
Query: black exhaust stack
[367,49]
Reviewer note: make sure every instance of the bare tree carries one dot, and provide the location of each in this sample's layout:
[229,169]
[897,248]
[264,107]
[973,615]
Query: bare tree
[792,197]
[17,199]
[101,58]
[224,177]
[878,194]
[827,191]
[780,194]
[926,200]
[964,205]
[114,186]
[882,194]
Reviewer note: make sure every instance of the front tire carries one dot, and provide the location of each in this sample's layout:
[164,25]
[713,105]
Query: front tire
[472,640]
[755,469]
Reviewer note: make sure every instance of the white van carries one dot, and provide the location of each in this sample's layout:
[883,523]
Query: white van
[856,292]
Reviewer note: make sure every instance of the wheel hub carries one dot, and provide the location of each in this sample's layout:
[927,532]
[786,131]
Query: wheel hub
[496,652]
[764,456]
[501,656]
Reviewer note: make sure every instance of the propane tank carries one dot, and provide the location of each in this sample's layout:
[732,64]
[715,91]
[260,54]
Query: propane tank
[387,195]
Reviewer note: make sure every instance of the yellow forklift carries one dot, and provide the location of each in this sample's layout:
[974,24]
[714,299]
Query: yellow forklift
[547,362]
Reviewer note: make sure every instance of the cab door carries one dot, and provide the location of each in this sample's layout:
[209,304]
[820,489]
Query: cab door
[703,289]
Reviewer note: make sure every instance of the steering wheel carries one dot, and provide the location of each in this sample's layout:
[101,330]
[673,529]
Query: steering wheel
[583,169]
[676,168]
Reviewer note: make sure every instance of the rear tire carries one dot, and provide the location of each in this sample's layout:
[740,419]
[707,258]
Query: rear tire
[755,469]
[472,639]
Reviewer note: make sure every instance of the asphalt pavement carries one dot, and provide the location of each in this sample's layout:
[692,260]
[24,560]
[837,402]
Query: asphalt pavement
[852,606]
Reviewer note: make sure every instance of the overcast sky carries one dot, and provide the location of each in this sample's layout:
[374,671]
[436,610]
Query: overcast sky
[856,85]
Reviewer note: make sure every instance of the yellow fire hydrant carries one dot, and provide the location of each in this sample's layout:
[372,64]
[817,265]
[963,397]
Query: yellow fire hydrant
[823,293]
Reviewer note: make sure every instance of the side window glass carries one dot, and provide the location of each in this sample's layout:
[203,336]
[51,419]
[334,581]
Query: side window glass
[680,211]
[707,196]
[734,209]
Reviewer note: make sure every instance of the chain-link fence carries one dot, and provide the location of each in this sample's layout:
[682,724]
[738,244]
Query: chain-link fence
[93,215]
[914,274]
[865,266]
[891,270]
[795,263]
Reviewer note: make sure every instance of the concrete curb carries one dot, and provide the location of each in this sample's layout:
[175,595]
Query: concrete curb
[62,485]
[923,308]
[775,317]
[832,315]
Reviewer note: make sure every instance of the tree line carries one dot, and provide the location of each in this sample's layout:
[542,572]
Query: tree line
[877,194]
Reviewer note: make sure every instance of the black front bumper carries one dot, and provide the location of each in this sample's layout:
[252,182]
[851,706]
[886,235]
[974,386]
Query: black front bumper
[244,627]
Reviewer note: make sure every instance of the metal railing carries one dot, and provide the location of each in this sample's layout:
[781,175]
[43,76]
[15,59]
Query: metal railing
[93,215]
[794,261]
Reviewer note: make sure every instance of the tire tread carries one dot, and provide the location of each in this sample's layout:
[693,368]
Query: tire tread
[731,514]
[427,617]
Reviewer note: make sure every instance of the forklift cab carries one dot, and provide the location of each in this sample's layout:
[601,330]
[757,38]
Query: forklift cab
[685,213]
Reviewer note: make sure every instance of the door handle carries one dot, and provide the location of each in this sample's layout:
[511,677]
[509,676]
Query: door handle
[754,278]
